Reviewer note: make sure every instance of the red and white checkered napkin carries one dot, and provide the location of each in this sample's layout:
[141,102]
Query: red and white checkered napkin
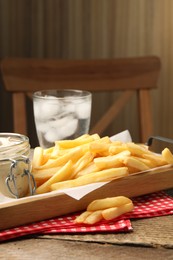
[64,225]
[152,205]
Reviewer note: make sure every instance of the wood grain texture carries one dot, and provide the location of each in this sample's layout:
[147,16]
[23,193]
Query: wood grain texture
[128,75]
[52,247]
[33,208]
[94,29]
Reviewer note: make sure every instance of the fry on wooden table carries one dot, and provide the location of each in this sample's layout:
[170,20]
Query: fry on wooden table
[81,218]
[115,212]
[107,209]
[108,203]
[93,217]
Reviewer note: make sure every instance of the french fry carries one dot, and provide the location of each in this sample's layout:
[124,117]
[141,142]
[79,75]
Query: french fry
[107,208]
[45,174]
[108,203]
[73,155]
[49,150]
[100,145]
[105,175]
[167,155]
[61,175]
[55,152]
[99,149]
[137,150]
[135,163]
[117,147]
[76,142]
[94,136]
[82,217]
[93,217]
[155,159]
[37,157]
[91,167]
[82,162]
[132,170]
[115,212]
[111,161]
[47,154]
[93,159]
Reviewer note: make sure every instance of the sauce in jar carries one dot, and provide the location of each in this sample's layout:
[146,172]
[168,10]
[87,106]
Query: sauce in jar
[15,178]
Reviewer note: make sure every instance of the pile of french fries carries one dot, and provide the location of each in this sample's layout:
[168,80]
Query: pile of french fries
[107,208]
[89,159]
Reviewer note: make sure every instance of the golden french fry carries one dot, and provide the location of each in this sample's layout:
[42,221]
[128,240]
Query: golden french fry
[135,163]
[37,157]
[49,150]
[99,142]
[94,217]
[108,203]
[81,218]
[116,148]
[148,162]
[105,175]
[55,152]
[42,178]
[94,136]
[47,154]
[110,161]
[132,170]
[99,149]
[42,171]
[91,167]
[155,159]
[73,155]
[115,212]
[76,142]
[45,174]
[41,181]
[82,162]
[93,159]
[137,150]
[108,208]
[61,175]
[167,155]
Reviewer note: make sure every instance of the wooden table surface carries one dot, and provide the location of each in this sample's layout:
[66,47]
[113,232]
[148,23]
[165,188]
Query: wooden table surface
[150,239]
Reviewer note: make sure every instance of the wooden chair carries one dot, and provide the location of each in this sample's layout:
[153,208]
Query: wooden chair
[22,76]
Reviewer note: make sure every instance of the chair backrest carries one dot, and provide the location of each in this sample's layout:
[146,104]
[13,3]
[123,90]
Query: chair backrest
[22,76]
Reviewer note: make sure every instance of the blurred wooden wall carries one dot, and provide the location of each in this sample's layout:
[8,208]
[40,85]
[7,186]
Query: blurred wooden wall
[93,29]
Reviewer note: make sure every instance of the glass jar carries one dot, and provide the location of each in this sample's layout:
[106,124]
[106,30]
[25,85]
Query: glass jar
[15,178]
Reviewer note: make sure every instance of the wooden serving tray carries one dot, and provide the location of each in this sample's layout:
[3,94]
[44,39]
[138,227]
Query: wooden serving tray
[37,208]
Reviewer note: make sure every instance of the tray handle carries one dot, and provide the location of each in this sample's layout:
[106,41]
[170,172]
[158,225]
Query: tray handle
[160,138]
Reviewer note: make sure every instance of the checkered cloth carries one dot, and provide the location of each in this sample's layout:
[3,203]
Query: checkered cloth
[152,205]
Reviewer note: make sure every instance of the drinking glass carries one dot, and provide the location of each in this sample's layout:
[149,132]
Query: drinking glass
[61,114]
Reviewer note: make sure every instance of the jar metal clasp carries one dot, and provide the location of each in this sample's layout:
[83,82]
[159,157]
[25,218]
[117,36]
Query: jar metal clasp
[11,180]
